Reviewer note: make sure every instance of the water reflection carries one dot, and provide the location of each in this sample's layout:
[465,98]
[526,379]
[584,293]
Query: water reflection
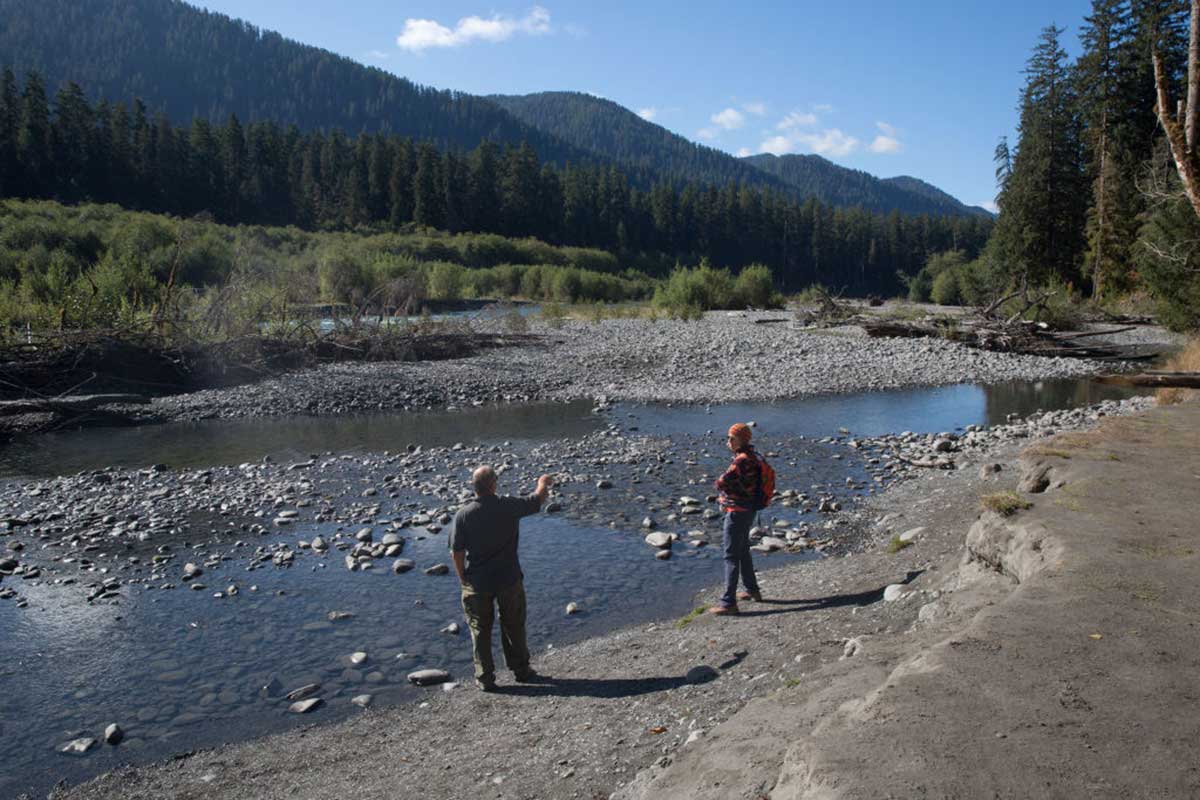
[224,442]
[924,410]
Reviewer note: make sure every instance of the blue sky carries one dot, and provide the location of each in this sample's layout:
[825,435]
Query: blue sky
[920,88]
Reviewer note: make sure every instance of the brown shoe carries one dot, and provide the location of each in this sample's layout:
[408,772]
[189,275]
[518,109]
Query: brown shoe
[755,596]
[723,611]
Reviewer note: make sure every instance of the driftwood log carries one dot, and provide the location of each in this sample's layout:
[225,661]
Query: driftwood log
[77,404]
[1029,338]
[1163,380]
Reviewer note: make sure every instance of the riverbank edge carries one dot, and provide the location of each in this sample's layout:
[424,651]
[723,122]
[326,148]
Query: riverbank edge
[1059,639]
[936,551]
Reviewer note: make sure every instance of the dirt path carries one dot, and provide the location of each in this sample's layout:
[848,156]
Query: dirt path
[968,684]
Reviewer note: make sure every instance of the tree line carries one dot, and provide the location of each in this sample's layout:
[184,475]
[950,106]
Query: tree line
[1087,195]
[72,150]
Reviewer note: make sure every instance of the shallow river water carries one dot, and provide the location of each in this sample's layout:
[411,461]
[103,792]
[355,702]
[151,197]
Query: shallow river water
[180,670]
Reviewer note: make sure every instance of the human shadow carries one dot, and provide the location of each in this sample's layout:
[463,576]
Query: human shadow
[612,688]
[831,601]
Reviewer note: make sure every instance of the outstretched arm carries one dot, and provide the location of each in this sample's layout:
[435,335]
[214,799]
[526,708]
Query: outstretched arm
[543,489]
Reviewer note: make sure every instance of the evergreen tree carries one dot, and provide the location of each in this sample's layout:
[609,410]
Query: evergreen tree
[1043,200]
[400,185]
[428,190]
[34,148]
[1099,71]
[10,115]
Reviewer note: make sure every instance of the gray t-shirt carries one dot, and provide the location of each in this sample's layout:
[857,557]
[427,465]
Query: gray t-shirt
[489,530]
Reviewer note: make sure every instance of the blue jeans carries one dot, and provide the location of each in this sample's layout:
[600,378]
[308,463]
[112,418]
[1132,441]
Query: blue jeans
[737,555]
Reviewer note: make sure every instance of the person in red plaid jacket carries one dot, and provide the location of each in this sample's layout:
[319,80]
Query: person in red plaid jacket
[739,488]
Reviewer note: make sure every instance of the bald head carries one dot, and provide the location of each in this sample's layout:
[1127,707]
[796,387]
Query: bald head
[484,481]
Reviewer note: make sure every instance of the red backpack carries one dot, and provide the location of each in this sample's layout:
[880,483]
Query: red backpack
[765,492]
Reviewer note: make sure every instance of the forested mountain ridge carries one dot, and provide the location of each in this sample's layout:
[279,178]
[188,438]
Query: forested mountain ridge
[616,133]
[919,187]
[814,176]
[192,63]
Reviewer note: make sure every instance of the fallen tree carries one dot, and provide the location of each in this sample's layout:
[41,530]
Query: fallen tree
[1030,338]
[65,364]
[71,404]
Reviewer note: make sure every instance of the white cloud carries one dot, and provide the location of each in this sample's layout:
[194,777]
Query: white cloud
[830,142]
[378,55]
[796,119]
[991,206]
[730,119]
[744,151]
[822,108]
[422,34]
[648,114]
[757,109]
[886,143]
[778,145]
[707,133]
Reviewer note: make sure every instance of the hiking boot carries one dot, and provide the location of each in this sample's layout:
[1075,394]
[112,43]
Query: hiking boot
[527,676]
[755,596]
[485,685]
[724,611]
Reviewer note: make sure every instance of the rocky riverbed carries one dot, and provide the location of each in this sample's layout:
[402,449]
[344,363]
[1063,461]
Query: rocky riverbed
[617,710]
[108,538]
[95,546]
[726,356]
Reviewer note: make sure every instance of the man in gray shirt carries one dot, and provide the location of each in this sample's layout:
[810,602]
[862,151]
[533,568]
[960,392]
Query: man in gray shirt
[483,545]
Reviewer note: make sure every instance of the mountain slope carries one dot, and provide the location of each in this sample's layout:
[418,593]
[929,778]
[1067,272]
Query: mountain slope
[613,131]
[616,133]
[928,190]
[815,176]
[189,62]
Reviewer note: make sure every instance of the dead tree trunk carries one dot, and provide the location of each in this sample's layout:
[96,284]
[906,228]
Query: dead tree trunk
[1181,131]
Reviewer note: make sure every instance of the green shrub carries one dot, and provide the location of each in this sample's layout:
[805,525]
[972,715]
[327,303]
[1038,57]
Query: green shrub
[811,295]
[920,287]
[945,290]
[755,287]
[446,280]
[701,288]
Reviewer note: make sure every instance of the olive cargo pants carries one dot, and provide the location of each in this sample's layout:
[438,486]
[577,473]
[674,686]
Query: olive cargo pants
[479,609]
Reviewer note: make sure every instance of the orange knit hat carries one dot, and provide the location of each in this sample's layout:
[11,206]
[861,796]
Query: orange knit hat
[741,430]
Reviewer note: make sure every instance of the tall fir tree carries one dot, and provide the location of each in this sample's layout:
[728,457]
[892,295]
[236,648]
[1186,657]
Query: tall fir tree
[34,146]
[10,115]
[1104,36]
[1043,202]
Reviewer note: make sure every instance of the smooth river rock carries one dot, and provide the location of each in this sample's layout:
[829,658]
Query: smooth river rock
[428,677]
[79,747]
[305,706]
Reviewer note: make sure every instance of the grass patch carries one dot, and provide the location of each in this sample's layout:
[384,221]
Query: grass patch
[1005,503]
[792,683]
[687,618]
[897,544]
[1049,452]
